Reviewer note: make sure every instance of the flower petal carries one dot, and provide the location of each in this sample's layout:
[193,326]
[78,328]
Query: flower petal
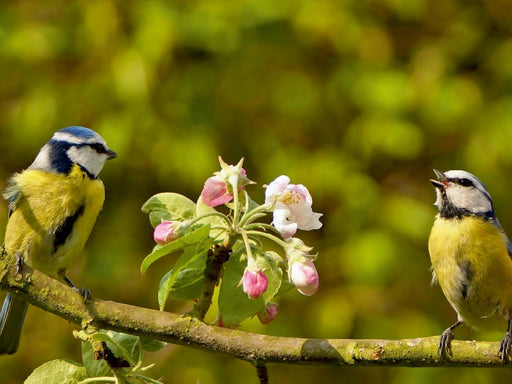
[215,192]
[276,187]
[305,277]
[284,221]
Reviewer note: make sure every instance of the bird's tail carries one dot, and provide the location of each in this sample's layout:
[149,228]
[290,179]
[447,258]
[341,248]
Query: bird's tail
[12,316]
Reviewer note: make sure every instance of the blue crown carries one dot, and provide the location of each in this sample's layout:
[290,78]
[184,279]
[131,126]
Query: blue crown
[80,132]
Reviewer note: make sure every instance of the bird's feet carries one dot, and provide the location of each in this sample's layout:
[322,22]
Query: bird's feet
[445,342]
[85,293]
[505,345]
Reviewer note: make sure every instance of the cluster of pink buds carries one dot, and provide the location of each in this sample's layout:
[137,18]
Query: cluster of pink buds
[291,206]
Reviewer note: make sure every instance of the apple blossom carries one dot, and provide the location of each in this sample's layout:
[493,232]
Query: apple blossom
[254,282]
[165,232]
[267,314]
[292,207]
[304,276]
[218,189]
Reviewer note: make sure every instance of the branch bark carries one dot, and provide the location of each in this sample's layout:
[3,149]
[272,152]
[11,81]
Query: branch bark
[56,297]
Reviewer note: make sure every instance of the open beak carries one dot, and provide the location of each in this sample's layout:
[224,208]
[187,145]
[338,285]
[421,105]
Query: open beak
[442,180]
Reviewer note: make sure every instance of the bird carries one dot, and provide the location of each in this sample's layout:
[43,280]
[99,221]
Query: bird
[53,205]
[471,257]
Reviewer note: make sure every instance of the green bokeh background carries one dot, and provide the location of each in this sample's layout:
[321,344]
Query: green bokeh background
[358,100]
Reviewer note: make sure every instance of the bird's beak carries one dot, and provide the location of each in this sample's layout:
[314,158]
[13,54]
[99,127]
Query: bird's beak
[111,154]
[442,180]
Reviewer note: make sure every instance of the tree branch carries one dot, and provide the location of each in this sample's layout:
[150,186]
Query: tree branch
[215,260]
[56,297]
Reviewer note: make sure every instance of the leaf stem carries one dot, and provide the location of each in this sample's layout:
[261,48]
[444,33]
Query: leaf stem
[221,215]
[247,244]
[269,236]
[254,214]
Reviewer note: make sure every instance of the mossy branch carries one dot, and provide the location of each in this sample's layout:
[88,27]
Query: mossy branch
[55,297]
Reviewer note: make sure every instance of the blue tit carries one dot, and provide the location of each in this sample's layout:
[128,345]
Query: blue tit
[53,205]
[471,256]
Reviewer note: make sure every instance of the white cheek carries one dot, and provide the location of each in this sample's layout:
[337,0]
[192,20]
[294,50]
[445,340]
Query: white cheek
[88,159]
[472,200]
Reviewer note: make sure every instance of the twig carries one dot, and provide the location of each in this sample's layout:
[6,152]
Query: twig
[214,262]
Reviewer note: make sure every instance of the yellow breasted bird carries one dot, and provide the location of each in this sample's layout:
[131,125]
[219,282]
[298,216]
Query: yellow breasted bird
[471,256]
[53,205]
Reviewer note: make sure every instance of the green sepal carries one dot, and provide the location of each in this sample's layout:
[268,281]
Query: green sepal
[169,206]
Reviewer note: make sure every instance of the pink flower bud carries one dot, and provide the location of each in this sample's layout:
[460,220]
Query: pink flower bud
[215,192]
[165,232]
[268,314]
[254,283]
[305,277]
[218,189]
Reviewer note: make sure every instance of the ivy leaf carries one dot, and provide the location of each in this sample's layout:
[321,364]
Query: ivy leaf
[234,304]
[169,206]
[196,236]
[194,259]
[60,371]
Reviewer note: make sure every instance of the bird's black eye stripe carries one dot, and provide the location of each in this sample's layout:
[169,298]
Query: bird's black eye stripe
[463,181]
[100,148]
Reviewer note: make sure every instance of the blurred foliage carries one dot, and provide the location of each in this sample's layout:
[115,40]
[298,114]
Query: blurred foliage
[358,100]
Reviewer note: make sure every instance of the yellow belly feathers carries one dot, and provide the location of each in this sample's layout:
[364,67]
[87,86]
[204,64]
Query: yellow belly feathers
[471,262]
[52,218]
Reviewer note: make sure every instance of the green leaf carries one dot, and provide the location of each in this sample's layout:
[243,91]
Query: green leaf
[274,275]
[164,288]
[188,284]
[194,237]
[169,206]
[285,286]
[122,345]
[61,371]
[220,226]
[151,345]
[234,304]
[194,258]
[95,368]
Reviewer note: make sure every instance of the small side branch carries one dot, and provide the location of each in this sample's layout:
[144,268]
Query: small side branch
[262,373]
[56,297]
[216,258]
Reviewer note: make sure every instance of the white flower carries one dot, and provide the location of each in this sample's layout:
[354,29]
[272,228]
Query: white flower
[292,207]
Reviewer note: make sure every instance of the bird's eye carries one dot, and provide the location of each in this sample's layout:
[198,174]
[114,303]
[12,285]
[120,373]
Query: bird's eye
[465,182]
[98,148]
